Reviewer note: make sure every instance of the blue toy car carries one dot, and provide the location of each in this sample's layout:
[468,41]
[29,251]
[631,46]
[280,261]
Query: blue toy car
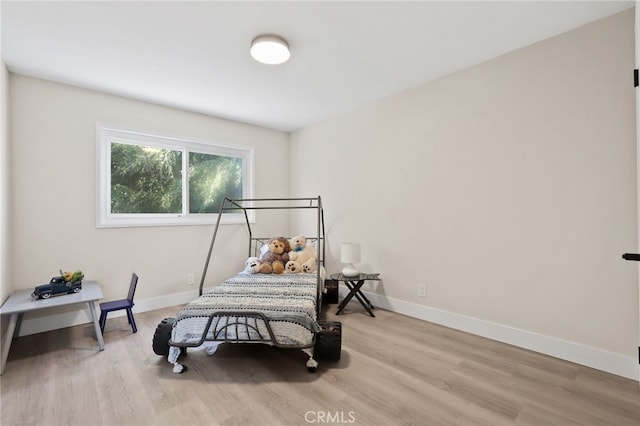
[56,286]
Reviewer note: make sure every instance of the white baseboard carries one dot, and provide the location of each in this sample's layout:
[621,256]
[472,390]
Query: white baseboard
[599,359]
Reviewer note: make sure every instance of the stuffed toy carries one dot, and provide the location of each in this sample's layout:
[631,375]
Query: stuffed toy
[251,266]
[309,266]
[292,267]
[303,253]
[277,255]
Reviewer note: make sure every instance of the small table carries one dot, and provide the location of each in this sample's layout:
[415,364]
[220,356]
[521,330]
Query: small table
[354,284]
[21,301]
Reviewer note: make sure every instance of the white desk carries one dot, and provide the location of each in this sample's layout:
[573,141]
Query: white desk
[21,302]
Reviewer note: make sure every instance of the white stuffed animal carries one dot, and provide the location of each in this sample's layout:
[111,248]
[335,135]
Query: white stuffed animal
[302,253]
[292,267]
[309,266]
[251,266]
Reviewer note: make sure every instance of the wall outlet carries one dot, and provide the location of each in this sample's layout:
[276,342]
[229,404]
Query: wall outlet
[190,279]
[422,290]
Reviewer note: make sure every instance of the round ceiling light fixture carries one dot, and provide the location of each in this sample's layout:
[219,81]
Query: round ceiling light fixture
[270,49]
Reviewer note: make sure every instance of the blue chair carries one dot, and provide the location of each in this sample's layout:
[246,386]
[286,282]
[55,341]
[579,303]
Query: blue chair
[117,305]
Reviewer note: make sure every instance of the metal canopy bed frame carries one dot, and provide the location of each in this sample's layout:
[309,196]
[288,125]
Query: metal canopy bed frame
[281,310]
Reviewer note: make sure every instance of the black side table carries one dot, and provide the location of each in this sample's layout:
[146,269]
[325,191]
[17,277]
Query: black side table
[354,284]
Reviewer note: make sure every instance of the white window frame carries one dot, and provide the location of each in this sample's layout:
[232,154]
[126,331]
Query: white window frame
[106,135]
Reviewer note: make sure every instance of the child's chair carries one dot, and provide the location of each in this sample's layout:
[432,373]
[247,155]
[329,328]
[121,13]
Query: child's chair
[117,305]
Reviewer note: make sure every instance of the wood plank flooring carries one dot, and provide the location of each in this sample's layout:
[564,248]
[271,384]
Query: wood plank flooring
[395,370]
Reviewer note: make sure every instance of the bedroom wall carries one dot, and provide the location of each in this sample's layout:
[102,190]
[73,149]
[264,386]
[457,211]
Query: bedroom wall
[54,195]
[509,189]
[5,254]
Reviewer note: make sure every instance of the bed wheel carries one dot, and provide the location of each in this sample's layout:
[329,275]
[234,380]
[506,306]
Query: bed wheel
[162,336]
[329,341]
[331,295]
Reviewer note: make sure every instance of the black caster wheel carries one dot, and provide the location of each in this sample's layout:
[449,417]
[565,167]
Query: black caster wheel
[328,341]
[331,296]
[162,336]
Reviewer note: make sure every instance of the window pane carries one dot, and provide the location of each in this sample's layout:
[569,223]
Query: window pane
[145,179]
[211,178]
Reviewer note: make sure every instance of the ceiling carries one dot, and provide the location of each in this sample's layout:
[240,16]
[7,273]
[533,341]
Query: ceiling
[195,55]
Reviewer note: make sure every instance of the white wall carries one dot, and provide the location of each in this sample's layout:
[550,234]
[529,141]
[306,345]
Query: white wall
[507,188]
[53,139]
[5,254]
[5,264]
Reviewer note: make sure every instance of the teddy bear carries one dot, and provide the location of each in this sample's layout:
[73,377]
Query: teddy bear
[309,266]
[276,256]
[251,266]
[292,267]
[303,253]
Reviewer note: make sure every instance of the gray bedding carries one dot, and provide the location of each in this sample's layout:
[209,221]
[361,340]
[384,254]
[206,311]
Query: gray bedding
[268,308]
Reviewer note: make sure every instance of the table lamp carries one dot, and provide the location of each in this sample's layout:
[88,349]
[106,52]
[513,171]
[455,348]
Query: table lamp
[350,254]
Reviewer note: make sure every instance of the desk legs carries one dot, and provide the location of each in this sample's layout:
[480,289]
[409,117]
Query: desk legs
[96,324]
[16,319]
[6,342]
[354,290]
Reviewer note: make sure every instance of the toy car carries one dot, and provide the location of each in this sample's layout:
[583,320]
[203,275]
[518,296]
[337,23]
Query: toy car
[55,287]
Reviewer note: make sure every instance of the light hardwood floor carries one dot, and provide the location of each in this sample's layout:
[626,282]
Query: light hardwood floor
[394,370]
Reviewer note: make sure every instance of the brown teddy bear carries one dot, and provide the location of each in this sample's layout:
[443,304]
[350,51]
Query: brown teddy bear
[277,255]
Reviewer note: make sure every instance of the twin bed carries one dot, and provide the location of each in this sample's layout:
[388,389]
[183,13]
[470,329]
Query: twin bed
[274,309]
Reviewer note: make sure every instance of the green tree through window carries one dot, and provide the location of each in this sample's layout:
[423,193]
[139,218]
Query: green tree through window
[147,179]
[211,178]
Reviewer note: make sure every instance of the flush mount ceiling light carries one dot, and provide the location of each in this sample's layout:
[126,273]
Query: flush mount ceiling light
[270,49]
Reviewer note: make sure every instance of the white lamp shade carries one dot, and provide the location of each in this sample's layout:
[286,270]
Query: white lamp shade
[350,253]
[270,49]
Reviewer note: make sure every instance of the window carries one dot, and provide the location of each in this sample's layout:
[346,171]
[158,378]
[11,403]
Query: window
[147,179]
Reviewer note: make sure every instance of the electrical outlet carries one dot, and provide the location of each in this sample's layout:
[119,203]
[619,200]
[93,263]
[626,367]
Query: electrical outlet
[422,290]
[190,279]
